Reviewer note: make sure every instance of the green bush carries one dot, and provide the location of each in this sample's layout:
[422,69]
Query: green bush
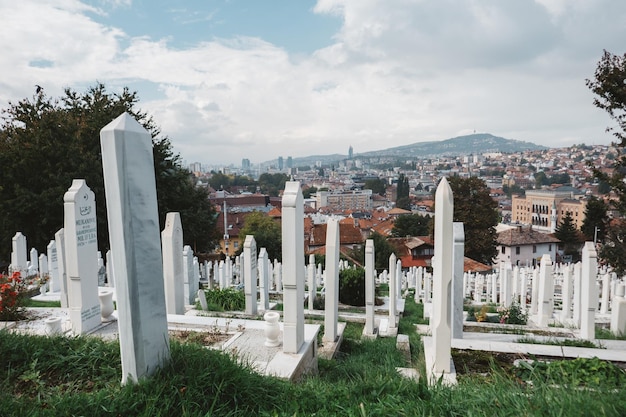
[352,287]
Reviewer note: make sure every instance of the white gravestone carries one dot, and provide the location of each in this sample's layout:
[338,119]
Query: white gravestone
[189,290]
[44,273]
[566,292]
[250,274]
[311,280]
[172,237]
[577,297]
[196,275]
[136,251]
[534,302]
[331,312]
[393,300]
[370,287]
[604,302]
[278,276]
[545,302]
[110,270]
[19,258]
[588,292]
[53,266]
[293,267]
[458,231]
[59,238]
[34,261]
[81,246]
[618,311]
[442,277]
[264,273]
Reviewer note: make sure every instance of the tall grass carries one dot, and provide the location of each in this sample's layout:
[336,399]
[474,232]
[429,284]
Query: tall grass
[54,376]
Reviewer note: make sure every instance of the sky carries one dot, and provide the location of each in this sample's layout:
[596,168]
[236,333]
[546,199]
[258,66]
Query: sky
[233,79]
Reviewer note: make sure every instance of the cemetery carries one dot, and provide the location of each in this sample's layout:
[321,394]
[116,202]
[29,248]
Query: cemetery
[435,342]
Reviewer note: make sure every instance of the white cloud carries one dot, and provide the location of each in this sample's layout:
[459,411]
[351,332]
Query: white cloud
[398,72]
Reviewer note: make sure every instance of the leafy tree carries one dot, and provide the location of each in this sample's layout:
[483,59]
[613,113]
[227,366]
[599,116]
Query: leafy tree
[411,225]
[45,143]
[402,198]
[267,234]
[595,217]
[567,233]
[219,181]
[479,213]
[604,187]
[272,184]
[610,90]
[378,186]
[513,189]
[541,179]
[307,192]
[382,251]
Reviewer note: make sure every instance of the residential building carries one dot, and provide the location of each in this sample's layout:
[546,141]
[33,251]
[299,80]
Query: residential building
[345,200]
[524,245]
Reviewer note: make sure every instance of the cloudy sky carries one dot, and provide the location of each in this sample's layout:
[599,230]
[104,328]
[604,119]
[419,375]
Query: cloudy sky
[233,79]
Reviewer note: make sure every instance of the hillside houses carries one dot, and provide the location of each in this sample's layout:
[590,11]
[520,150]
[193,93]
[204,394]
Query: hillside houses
[540,202]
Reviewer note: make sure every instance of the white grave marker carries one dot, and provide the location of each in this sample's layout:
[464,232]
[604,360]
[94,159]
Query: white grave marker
[172,237]
[135,245]
[442,277]
[293,267]
[331,313]
[250,274]
[81,246]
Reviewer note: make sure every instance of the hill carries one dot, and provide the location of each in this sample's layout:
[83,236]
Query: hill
[477,143]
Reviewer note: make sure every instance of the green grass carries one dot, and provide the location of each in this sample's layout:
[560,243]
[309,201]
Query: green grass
[563,342]
[602,333]
[36,303]
[51,376]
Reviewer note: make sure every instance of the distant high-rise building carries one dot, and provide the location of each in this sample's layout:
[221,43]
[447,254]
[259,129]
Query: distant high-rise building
[245,164]
[195,167]
[289,162]
[350,152]
[280,163]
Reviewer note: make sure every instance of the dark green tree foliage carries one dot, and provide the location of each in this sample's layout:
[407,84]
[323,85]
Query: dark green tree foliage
[595,217]
[272,184]
[378,186]
[382,251]
[267,234]
[610,90]
[411,225]
[307,192]
[402,199]
[352,287]
[479,213]
[45,143]
[567,233]
[219,181]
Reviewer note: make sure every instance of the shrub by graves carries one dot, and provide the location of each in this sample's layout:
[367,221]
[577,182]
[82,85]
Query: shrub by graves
[352,286]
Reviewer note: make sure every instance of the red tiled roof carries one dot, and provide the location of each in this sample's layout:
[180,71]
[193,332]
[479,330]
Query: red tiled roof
[275,212]
[348,234]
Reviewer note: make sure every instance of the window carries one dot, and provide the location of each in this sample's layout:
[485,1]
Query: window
[550,247]
[534,248]
[503,250]
[517,250]
[236,245]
